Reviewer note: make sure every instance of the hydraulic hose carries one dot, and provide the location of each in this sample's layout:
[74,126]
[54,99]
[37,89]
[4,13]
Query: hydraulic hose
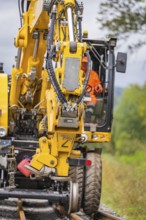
[49,61]
[28,3]
[54,81]
[86,79]
[22,6]
[51,32]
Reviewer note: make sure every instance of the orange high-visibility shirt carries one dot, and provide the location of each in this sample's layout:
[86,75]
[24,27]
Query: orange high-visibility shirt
[93,82]
[93,79]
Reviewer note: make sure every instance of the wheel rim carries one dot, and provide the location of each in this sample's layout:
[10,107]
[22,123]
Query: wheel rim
[74,197]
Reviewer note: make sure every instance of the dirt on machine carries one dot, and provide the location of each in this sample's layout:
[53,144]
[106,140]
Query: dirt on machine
[49,147]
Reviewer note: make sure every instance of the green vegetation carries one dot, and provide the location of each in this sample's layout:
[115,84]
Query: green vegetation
[124,176]
[124,187]
[129,127]
[118,93]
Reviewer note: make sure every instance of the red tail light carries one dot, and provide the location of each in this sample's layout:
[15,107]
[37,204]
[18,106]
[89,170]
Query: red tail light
[88,162]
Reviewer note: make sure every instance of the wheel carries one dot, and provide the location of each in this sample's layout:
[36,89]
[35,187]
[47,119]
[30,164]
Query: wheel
[92,185]
[77,176]
[74,197]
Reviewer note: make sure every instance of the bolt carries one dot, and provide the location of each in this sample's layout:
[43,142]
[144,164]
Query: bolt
[44,140]
[52,162]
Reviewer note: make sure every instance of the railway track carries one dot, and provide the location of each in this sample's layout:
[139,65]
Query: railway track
[13,209]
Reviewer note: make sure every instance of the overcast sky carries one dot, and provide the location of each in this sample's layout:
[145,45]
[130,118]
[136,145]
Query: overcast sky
[9,24]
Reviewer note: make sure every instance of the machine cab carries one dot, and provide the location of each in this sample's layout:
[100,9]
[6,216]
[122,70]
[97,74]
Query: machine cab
[98,114]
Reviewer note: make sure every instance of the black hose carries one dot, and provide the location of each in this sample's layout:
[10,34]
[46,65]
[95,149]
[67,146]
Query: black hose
[22,6]
[86,79]
[27,6]
[51,33]
[49,62]
[54,81]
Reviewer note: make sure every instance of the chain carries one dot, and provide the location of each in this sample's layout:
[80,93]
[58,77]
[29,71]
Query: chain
[11,171]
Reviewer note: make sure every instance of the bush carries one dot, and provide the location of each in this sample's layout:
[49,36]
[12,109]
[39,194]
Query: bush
[124,186]
[129,126]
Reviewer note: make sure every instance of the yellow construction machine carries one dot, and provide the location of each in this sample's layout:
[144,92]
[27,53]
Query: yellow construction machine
[47,149]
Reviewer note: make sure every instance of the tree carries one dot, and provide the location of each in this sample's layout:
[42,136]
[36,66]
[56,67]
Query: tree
[129,128]
[123,18]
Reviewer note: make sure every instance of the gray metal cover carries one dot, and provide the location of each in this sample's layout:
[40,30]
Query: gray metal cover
[71,76]
[68,122]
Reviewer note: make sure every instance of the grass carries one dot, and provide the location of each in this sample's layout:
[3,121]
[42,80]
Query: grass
[124,186]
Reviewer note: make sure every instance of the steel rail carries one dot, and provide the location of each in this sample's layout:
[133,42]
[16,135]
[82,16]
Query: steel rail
[74,216]
[32,208]
[108,216]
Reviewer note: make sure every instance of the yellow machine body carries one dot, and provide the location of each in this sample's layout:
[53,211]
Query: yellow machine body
[31,88]
[56,108]
[4,101]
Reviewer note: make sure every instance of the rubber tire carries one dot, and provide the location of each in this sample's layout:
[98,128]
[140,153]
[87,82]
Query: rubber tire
[77,176]
[93,181]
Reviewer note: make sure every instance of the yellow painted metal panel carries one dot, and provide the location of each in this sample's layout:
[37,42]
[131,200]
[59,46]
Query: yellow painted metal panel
[4,101]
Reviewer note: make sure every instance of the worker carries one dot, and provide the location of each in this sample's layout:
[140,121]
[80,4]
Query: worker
[94,87]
